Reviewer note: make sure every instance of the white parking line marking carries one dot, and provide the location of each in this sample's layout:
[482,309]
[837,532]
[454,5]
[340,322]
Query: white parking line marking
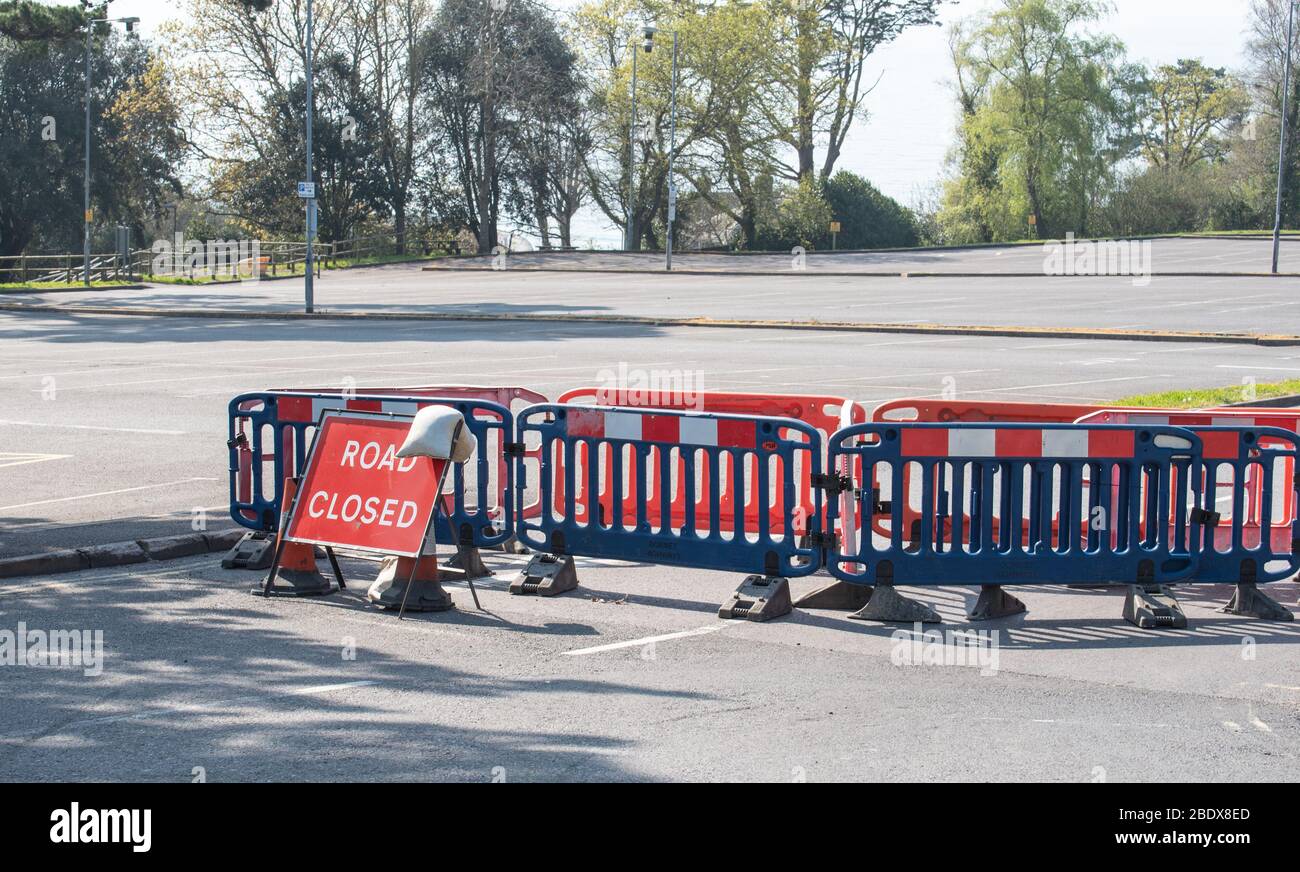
[15,458]
[1235,366]
[93,427]
[1092,381]
[126,490]
[636,643]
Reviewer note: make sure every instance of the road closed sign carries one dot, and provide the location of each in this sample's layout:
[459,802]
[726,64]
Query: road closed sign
[357,493]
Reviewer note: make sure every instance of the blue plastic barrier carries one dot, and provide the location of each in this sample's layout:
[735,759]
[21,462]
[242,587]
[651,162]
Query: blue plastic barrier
[1252,532]
[1023,503]
[272,428]
[740,462]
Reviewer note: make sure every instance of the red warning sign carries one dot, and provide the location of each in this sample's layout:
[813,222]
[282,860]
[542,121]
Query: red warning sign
[357,493]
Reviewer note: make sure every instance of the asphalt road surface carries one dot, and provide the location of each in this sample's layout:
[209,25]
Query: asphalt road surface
[114,428]
[632,676]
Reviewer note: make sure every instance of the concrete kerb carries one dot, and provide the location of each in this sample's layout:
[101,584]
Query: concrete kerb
[118,553]
[1104,333]
[840,273]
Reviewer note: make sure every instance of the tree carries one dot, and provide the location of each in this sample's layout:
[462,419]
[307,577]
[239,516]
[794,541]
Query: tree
[868,219]
[1187,110]
[1048,113]
[1267,51]
[492,71]
[801,217]
[135,146]
[243,66]
[821,48]
[390,75]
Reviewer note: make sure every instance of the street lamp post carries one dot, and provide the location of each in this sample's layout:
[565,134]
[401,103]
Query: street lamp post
[309,288]
[1281,147]
[130,23]
[672,148]
[629,232]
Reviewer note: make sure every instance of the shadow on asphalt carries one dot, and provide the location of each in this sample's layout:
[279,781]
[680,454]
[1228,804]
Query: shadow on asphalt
[200,667]
[1028,631]
[127,329]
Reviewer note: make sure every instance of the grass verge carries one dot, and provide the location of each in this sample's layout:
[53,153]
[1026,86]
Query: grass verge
[1201,398]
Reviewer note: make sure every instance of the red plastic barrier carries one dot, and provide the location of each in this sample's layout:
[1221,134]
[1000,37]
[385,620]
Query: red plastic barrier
[825,413]
[928,411]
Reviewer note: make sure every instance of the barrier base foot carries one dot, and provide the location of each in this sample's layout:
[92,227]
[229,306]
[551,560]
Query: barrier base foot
[255,550]
[888,605]
[759,598]
[426,596]
[1252,602]
[839,595]
[296,582]
[994,602]
[546,575]
[470,563]
[1153,607]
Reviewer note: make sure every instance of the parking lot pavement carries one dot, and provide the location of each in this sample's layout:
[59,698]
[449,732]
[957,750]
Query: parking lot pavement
[1224,254]
[632,676]
[115,428]
[1219,303]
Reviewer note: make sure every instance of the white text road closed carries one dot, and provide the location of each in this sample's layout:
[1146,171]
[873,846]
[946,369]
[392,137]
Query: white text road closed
[364,510]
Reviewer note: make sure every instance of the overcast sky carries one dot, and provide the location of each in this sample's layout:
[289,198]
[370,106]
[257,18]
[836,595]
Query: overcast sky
[902,144]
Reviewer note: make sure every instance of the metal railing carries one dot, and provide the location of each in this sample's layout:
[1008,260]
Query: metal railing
[269,258]
[62,268]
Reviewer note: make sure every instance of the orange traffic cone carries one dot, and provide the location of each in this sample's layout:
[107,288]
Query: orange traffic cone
[296,573]
[426,595]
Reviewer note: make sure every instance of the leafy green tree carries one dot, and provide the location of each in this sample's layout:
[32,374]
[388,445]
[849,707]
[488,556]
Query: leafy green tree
[1048,113]
[1267,51]
[802,217]
[1187,113]
[492,72]
[135,144]
[820,50]
[868,219]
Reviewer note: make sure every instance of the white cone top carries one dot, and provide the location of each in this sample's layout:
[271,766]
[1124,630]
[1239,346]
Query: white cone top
[431,436]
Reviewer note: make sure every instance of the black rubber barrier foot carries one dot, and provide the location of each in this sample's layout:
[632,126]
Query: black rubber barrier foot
[994,602]
[255,550]
[426,596]
[469,562]
[1252,602]
[546,575]
[1151,607]
[840,596]
[296,582]
[888,605]
[759,598]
